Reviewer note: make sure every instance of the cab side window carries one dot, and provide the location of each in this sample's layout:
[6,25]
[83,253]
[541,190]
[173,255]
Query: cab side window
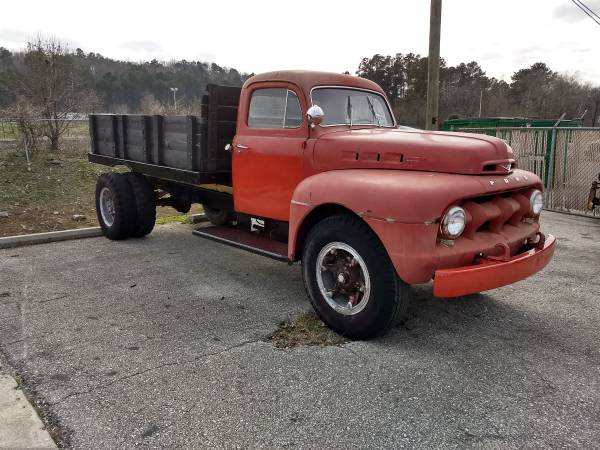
[274,108]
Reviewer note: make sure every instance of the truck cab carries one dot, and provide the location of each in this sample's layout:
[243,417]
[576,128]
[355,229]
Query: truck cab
[321,173]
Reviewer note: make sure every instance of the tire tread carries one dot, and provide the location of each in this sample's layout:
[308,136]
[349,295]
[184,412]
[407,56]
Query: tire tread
[145,204]
[125,211]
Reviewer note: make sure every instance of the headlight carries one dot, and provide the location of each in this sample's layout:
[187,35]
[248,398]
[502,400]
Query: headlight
[536,203]
[453,223]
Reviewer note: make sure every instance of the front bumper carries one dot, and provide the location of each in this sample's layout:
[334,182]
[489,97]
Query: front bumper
[491,273]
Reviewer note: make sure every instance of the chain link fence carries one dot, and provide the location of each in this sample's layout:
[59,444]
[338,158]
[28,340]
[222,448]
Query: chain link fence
[566,159]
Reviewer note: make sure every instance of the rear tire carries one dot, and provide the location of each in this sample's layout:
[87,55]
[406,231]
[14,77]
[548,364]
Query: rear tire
[145,203]
[350,279]
[218,217]
[115,206]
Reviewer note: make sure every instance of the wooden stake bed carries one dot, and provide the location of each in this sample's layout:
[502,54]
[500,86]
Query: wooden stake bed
[246,240]
[186,149]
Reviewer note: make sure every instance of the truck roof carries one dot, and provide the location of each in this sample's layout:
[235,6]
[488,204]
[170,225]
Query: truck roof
[307,79]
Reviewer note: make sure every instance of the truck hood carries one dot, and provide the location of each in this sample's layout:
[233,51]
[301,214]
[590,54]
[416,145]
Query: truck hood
[384,148]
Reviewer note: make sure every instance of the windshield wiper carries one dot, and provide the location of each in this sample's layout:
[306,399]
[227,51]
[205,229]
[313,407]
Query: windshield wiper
[349,110]
[375,115]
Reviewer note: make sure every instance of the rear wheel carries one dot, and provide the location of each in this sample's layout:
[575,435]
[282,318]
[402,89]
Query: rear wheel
[115,206]
[350,279]
[145,203]
[218,216]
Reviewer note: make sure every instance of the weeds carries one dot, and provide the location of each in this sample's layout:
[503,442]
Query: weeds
[308,329]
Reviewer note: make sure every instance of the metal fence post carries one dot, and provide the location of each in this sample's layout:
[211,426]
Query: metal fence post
[551,163]
[27,154]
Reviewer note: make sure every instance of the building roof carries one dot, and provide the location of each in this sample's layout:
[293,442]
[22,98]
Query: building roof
[307,79]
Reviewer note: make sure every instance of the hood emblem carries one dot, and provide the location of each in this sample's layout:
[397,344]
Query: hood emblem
[506,167]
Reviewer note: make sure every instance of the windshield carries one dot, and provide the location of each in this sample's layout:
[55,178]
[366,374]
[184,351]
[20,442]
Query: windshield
[344,106]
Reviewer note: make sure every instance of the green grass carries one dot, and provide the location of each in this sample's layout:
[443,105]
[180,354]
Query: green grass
[8,130]
[47,185]
[78,129]
[175,218]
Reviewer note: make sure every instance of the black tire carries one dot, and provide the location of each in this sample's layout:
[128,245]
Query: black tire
[145,204]
[119,191]
[389,296]
[181,205]
[218,216]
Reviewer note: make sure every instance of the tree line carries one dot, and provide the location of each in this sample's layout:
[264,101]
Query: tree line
[47,86]
[533,92]
[51,82]
[120,85]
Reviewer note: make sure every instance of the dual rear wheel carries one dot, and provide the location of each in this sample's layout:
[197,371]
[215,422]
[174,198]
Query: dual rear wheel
[125,205]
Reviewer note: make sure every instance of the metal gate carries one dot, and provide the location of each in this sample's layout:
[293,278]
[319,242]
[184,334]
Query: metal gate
[566,159]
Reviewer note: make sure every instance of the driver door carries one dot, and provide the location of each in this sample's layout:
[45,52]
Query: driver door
[267,160]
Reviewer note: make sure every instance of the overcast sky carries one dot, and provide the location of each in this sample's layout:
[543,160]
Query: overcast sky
[257,36]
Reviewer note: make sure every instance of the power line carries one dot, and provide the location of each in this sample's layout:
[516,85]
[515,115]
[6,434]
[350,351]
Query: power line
[592,15]
[588,8]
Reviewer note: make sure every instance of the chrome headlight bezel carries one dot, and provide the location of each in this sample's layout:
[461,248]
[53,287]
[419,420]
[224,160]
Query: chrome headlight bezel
[453,223]
[536,203]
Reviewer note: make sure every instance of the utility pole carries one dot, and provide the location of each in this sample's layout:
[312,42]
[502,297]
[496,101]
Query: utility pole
[433,69]
[480,102]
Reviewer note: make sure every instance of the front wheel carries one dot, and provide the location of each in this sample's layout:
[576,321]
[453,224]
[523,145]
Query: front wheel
[350,279]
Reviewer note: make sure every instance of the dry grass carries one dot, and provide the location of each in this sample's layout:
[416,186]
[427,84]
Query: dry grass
[308,329]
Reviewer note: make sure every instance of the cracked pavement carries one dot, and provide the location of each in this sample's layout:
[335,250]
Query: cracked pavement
[160,343]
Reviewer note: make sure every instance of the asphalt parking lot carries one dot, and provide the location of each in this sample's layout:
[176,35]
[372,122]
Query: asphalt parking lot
[160,343]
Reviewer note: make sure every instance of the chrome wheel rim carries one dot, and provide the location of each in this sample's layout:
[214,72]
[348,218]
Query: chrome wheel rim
[343,278]
[107,206]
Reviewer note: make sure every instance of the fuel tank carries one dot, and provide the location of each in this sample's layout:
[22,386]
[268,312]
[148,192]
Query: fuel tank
[385,148]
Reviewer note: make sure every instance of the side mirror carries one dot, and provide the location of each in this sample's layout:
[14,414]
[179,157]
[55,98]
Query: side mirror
[315,115]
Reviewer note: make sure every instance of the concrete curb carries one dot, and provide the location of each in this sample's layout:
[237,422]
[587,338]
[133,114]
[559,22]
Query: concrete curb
[20,426]
[52,236]
[67,235]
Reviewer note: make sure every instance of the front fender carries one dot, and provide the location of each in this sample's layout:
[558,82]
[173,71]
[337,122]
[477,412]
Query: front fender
[402,207]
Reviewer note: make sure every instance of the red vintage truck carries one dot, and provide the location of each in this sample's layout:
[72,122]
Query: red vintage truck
[312,167]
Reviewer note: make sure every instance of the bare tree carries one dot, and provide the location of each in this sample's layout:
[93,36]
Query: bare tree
[26,118]
[150,105]
[50,86]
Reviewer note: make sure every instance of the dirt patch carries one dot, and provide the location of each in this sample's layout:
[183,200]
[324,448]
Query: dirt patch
[308,329]
[57,188]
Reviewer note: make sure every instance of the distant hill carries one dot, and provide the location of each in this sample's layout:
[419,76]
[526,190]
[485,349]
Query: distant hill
[121,85]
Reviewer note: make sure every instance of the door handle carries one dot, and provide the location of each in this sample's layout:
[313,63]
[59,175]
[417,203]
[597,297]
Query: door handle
[241,147]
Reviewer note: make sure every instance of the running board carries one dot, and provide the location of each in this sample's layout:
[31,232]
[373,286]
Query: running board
[245,240]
